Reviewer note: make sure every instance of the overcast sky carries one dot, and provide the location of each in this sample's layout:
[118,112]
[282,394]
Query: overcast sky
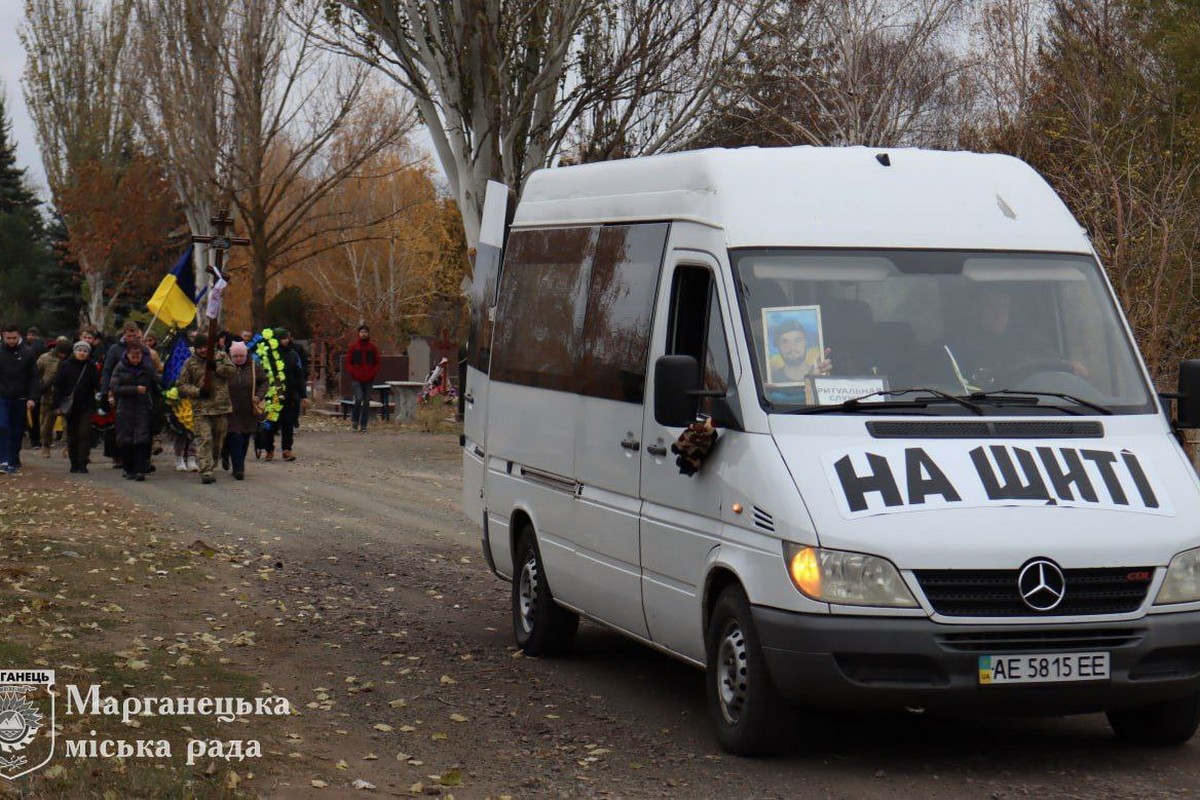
[12,62]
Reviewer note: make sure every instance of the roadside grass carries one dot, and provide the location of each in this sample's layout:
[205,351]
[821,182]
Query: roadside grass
[90,589]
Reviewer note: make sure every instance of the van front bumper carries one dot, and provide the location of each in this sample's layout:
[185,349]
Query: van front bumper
[904,662]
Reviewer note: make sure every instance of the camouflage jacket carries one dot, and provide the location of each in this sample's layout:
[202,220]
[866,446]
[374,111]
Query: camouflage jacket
[47,367]
[192,378]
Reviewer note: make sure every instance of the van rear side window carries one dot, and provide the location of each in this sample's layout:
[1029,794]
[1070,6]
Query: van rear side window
[543,291]
[576,307]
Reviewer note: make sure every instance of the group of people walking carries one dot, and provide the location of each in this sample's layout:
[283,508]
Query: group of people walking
[116,396]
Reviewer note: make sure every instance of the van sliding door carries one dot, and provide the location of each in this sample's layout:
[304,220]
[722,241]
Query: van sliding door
[613,349]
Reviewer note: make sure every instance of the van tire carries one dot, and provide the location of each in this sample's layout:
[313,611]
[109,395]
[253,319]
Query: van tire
[750,718]
[542,627]
[1162,724]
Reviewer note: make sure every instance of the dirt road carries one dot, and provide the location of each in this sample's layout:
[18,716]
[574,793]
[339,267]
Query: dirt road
[388,630]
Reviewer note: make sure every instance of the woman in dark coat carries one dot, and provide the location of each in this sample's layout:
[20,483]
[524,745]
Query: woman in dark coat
[133,386]
[78,378]
[247,388]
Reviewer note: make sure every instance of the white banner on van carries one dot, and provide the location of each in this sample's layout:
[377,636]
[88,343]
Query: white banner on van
[892,478]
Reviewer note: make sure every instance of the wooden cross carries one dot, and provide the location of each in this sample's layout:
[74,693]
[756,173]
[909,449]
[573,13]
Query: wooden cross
[220,242]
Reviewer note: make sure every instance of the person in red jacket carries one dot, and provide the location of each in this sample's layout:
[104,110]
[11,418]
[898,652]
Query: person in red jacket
[362,362]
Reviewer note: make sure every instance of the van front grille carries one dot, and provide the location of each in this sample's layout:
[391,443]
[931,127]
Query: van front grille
[994,593]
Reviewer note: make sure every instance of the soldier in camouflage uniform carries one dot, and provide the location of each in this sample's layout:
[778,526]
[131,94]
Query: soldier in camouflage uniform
[47,367]
[211,413]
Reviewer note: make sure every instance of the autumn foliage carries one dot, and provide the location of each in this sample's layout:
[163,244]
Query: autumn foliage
[401,261]
[119,219]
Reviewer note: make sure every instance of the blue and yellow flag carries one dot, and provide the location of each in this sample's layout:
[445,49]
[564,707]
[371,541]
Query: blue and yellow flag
[173,301]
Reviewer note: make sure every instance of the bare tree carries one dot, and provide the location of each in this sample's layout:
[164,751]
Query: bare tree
[293,108]
[78,86]
[1006,34]
[183,109]
[504,87]
[882,72]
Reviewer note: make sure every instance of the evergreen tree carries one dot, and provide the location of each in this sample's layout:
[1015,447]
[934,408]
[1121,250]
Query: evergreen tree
[15,194]
[24,253]
[62,295]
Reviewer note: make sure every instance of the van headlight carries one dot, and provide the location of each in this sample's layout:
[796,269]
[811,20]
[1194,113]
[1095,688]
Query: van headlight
[852,579]
[1182,584]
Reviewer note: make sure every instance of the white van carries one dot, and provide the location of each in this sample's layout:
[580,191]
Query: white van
[943,478]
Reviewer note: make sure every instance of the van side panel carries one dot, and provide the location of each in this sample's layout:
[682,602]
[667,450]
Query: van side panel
[532,432]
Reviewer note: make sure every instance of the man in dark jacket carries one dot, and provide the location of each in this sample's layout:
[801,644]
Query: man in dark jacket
[362,362]
[295,397]
[18,388]
[33,338]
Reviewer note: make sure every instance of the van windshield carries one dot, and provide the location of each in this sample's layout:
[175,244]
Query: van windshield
[832,326]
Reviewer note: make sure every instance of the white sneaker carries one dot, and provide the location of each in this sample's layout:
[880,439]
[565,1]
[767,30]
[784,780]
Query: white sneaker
[180,464]
[192,465]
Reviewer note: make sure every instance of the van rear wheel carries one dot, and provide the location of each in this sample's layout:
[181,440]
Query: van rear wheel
[748,714]
[541,626]
[1161,724]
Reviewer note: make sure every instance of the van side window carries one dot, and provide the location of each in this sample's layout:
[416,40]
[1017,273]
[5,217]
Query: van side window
[540,310]
[696,328]
[620,309]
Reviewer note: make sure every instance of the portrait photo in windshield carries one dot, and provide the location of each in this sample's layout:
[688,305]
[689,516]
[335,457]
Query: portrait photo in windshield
[794,343]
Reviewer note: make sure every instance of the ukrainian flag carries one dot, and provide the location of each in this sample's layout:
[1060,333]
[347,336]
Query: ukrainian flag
[173,299]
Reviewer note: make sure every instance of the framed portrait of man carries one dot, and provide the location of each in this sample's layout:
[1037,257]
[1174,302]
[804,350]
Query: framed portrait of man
[795,343]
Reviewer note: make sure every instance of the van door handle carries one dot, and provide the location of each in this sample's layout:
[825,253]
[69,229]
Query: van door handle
[470,398]
[656,450]
[631,444]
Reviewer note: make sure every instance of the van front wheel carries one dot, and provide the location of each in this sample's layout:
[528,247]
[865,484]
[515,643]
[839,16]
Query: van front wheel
[542,626]
[748,714]
[1161,724]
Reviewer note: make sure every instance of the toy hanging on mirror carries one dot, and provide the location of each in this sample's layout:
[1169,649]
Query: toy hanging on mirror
[694,445]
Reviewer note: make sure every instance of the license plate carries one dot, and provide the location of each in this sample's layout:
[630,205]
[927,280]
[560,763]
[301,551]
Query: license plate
[1043,668]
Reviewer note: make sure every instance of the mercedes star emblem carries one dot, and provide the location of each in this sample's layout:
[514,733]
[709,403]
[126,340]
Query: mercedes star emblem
[1041,584]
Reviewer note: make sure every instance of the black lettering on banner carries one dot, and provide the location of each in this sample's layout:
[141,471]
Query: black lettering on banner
[918,465]
[1013,488]
[855,487]
[1074,474]
[1103,459]
[1139,479]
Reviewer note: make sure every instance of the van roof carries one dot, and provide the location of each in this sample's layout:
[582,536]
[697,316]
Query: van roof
[818,197]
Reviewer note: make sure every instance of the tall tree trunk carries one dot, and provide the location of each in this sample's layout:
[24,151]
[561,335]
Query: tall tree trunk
[258,290]
[97,310]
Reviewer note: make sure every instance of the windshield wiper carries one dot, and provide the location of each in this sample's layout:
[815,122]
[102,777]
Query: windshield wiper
[1022,396]
[861,404]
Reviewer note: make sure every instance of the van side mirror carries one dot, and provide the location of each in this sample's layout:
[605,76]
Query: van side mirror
[676,378]
[1187,401]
